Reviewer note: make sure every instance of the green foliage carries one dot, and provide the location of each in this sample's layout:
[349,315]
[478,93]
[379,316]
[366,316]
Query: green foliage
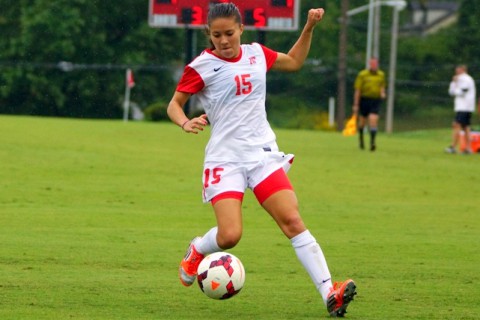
[288,112]
[102,39]
[292,113]
[468,36]
[156,111]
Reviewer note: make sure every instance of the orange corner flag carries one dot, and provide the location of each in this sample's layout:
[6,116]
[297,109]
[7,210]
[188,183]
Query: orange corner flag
[350,127]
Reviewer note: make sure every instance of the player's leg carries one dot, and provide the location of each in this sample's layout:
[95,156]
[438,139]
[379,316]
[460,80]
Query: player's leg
[465,124]
[360,128]
[468,149]
[226,195]
[276,195]
[374,109]
[362,120]
[229,221]
[456,129]
[283,208]
[225,235]
[373,127]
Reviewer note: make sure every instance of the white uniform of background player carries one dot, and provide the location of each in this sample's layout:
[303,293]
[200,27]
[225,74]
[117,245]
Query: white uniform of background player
[462,87]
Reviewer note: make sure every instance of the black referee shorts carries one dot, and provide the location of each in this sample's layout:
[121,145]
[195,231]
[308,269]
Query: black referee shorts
[369,105]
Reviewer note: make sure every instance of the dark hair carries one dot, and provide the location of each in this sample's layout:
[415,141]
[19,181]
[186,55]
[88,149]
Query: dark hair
[221,10]
[224,10]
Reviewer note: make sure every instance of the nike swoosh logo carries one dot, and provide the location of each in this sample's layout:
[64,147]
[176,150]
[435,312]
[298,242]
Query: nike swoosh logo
[216,69]
[326,280]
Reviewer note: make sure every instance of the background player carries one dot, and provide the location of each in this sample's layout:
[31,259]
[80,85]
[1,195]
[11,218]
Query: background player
[462,87]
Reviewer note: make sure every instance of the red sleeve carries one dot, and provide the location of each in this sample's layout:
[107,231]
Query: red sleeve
[270,56]
[190,82]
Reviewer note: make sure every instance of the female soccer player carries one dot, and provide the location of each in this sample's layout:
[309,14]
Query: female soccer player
[229,80]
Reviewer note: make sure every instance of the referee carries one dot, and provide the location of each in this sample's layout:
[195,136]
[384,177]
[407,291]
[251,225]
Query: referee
[369,92]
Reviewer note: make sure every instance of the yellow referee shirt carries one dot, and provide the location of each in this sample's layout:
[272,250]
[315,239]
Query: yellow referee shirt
[370,83]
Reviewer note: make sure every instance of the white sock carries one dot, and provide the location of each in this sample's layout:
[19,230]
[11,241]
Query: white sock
[208,243]
[311,256]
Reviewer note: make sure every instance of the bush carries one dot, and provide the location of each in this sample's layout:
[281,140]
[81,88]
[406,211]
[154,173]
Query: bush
[156,111]
[291,113]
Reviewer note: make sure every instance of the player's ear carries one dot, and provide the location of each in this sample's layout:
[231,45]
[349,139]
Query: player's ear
[241,28]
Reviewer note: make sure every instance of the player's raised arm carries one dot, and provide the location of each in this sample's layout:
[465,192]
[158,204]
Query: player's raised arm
[294,59]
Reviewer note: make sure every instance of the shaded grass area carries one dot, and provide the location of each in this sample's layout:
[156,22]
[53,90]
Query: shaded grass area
[95,216]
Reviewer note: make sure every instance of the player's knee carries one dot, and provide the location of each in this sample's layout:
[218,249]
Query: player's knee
[293,225]
[229,239]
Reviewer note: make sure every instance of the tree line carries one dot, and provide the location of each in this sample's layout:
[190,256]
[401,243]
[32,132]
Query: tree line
[67,58]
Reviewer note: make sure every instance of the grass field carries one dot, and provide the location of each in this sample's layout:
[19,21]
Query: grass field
[95,216]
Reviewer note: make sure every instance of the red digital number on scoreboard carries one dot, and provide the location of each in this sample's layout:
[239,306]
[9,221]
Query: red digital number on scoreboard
[256,14]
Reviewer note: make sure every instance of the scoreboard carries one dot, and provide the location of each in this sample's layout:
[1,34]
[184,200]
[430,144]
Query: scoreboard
[277,15]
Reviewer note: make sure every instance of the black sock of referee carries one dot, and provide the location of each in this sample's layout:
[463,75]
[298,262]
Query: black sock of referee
[360,137]
[373,134]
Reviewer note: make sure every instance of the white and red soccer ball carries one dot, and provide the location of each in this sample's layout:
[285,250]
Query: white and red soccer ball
[221,275]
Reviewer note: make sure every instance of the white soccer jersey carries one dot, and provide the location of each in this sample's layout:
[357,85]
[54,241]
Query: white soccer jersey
[232,93]
[463,89]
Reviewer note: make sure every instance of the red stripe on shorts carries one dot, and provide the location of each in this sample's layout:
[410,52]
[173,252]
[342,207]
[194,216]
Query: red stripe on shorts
[228,195]
[275,182]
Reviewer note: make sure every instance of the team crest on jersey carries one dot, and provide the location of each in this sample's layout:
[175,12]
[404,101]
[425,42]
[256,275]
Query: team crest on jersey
[252,60]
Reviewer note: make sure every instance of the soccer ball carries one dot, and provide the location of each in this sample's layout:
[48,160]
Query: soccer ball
[221,275]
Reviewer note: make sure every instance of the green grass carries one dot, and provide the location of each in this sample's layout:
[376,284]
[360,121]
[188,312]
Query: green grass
[95,216]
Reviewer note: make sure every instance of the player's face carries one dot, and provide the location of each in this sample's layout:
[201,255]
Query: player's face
[225,35]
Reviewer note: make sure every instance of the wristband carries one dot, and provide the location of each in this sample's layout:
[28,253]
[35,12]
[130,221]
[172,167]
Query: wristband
[184,124]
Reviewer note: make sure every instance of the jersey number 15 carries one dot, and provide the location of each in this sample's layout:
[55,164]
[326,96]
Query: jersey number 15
[244,86]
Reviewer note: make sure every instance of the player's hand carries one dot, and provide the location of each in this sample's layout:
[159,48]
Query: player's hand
[195,125]
[314,16]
